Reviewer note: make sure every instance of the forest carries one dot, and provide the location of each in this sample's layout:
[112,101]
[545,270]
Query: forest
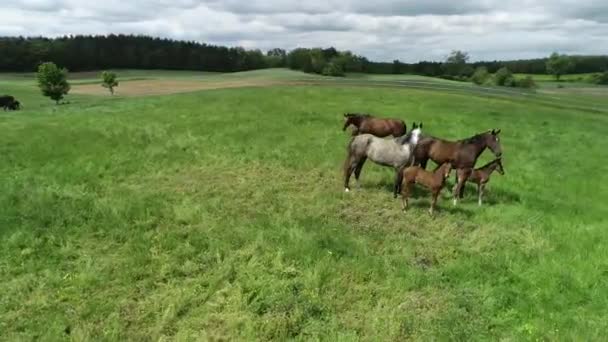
[85,53]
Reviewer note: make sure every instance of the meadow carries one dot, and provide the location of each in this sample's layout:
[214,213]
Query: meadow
[219,214]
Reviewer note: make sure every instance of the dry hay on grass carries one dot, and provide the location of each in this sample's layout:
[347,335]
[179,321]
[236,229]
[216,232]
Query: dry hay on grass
[161,87]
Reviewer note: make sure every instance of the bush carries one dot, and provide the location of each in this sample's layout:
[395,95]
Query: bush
[333,68]
[526,82]
[600,78]
[504,77]
[480,76]
[454,78]
[53,81]
[108,80]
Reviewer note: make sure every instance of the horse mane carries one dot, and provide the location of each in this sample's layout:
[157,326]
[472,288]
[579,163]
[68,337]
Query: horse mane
[477,138]
[404,138]
[488,164]
[358,115]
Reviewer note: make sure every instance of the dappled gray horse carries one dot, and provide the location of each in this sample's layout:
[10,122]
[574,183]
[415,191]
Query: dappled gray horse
[396,152]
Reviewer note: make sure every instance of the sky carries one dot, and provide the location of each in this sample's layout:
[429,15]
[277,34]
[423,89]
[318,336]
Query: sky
[381,30]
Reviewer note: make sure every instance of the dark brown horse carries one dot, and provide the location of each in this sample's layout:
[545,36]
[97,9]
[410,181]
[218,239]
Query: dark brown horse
[462,154]
[365,123]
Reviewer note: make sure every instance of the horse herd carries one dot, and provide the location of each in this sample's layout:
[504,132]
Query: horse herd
[409,153]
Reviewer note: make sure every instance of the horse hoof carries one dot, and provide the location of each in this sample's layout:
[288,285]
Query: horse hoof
[346,190]
[455,202]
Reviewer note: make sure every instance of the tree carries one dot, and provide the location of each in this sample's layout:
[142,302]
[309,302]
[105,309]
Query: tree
[276,58]
[455,64]
[53,81]
[397,67]
[558,65]
[109,81]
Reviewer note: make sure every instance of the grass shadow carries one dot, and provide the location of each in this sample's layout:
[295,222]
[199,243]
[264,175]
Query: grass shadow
[492,195]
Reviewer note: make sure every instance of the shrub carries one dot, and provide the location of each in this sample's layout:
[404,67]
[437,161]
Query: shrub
[504,77]
[601,78]
[333,68]
[480,76]
[53,81]
[526,82]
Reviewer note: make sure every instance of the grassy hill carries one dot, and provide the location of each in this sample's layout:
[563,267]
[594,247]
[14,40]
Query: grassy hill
[220,214]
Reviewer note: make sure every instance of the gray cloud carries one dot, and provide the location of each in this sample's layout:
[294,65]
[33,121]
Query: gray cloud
[409,30]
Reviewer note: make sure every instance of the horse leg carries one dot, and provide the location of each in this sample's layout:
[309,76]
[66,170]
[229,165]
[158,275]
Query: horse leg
[461,193]
[398,181]
[434,202]
[423,163]
[480,190]
[349,167]
[462,179]
[405,194]
[358,170]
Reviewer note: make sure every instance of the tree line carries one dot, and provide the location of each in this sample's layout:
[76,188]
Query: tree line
[84,53]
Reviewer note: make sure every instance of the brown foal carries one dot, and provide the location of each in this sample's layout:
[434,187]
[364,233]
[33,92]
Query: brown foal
[434,181]
[481,176]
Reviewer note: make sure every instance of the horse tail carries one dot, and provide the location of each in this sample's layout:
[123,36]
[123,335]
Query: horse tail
[349,153]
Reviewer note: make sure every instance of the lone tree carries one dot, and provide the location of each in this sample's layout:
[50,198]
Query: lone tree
[108,80]
[455,64]
[558,65]
[53,81]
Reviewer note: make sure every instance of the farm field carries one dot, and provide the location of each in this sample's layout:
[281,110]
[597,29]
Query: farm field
[217,212]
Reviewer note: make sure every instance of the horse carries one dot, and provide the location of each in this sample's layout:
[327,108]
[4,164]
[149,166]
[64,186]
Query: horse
[394,152]
[8,102]
[16,105]
[434,181]
[462,154]
[481,176]
[367,124]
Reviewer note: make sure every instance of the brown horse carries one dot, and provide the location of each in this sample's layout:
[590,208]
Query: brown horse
[434,181]
[481,176]
[462,154]
[365,123]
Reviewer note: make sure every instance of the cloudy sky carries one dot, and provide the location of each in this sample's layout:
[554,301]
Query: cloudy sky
[409,30]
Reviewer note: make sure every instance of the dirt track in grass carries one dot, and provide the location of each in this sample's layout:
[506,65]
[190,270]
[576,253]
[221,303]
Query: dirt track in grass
[162,87]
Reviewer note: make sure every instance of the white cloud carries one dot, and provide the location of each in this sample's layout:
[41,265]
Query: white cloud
[383,30]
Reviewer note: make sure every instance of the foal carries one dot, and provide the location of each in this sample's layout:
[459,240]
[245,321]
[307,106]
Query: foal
[481,176]
[435,181]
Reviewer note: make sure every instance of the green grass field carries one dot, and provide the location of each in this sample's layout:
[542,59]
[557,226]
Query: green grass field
[220,215]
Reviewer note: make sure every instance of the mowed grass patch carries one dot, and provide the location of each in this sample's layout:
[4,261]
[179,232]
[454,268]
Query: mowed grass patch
[221,215]
[162,87]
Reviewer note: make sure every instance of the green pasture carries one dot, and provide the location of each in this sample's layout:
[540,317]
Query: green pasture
[220,215]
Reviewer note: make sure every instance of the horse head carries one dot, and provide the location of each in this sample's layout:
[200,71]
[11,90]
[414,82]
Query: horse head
[499,166]
[354,119]
[415,133]
[493,142]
